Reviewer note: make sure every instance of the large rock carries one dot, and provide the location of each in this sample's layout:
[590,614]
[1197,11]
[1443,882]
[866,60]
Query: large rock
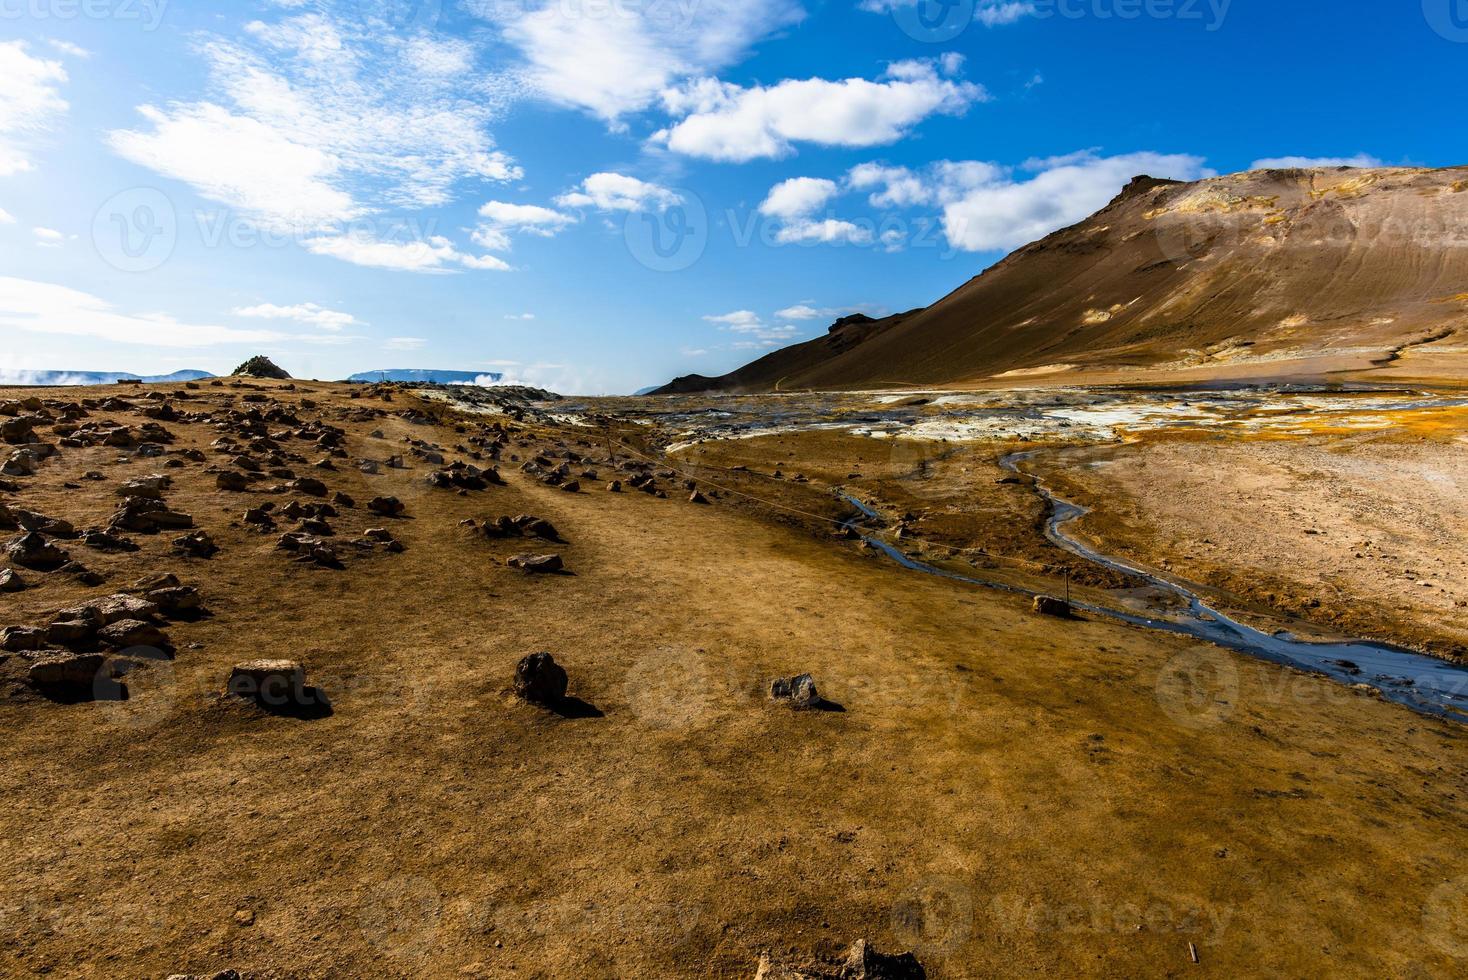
[18,431]
[67,670]
[151,487]
[32,550]
[1050,606]
[799,692]
[128,633]
[274,683]
[231,481]
[386,506]
[19,639]
[540,680]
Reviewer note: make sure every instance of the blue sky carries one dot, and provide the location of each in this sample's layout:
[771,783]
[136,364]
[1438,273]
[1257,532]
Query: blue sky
[597,195]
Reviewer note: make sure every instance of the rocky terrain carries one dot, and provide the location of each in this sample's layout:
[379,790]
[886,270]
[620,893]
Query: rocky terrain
[316,680]
[1276,274]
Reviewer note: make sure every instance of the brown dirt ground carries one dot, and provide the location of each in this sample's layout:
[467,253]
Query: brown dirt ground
[1007,795]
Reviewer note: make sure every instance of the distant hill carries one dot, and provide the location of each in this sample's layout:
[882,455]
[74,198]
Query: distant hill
[80,378]
[1311,275]
[427,377]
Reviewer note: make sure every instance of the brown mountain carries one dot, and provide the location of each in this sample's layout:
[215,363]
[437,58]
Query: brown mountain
[1273,274]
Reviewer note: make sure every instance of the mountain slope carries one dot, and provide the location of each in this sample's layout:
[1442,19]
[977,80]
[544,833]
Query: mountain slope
[1273,274]
[79,378]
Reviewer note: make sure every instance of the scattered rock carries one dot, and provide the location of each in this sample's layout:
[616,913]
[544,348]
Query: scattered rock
[1050,606]
[18,639]
[697,498]
[276,683]
[537,564]
[232,482]
[32,550]
[10,581]
[386,506]
[103,541]
[310,487]
[127,633]
[150,487]
[614,487]
[540,680]
[799,692]
[67,670]
[861,962]
[196,545]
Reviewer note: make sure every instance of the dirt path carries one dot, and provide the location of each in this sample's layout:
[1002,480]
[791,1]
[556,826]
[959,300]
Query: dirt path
[1007,795]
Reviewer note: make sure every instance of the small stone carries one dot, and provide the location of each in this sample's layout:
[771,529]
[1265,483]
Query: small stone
[697,498]
[540,680]
[310,487]
[614,487]
[197,545]
[10,581]
[32,550]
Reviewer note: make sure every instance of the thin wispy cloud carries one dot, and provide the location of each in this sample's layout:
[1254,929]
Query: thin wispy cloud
[29,106]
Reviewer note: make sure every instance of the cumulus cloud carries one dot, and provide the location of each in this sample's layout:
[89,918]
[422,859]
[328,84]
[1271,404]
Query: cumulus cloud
[310,313]
[741,320]
[727,122]
[804,311]
[984,213]
[798,197]
[610,59]
[314,120]
[1310,163]
[829,232]
[31,102]
[41,307]
[502,220]
[435,254]
[986,206]
[618,192]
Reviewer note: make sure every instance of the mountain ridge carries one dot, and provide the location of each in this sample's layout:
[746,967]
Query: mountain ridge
[1263,275]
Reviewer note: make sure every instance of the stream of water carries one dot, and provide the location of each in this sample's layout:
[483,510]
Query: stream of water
[1423,683]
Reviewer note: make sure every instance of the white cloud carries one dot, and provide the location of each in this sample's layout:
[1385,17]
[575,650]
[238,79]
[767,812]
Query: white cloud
[830,231]
[987,209]
[432,255]
[311,313]
[243,163]
[41,307]
[66,47]
[610,59]
[30,102]
[723,121]
[798,197]
[6,218]
[804,311]
[519,316]
[405,343]
[618,192]
[48,235]
[315,120]
[1311,163]
[502,219]
[739,320]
